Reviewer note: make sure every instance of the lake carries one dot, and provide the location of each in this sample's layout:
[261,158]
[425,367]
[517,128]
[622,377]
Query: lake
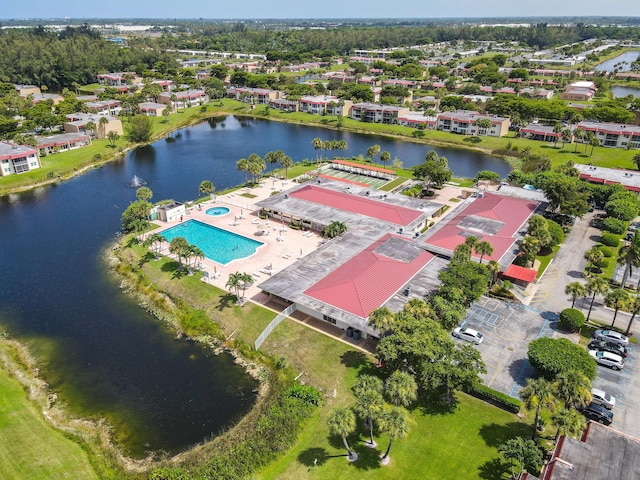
[619,92]
[103,354]
[621,63]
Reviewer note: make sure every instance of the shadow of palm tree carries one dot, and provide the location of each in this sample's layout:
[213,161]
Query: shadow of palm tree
[132,241]
[493,470]
[169,266]
[434,402]
[314,456]
[227,300]
[495,434]
[146,258]
[353,359]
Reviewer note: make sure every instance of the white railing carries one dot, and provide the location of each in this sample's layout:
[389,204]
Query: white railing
[274,323]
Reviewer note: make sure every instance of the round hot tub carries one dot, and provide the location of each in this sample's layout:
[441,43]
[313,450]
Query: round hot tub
[217,211]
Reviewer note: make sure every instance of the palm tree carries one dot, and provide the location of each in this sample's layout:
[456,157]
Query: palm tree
[574,388]
[317,145]
[373,151]
[342,422]
[385,157]
[578,135]
[636,160]
[206,188]
[90,127]
[538,394]
[144,193]
[334,229]
[594,142]
[394,422]
[617,299]
[243,166]
[593,257]
[569,422]
[575,289]
[246,281]
[369,402]
[629,256]
[401,389]
[286,162]
[234,283]
[557,129]
[483,248]
[596,286]
[634,307]
[103,125]
[566,136]
[174,101]
[154,241]
[494,269]
[382,319]
[178,247]
[166,114]
[256,166]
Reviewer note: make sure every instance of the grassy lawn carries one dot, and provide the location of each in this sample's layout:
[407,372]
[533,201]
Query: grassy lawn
[393,184]
[31,448]
[441,445]
[545,260]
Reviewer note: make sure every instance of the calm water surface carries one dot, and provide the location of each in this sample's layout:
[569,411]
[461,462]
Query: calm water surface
[622,63]
[620,92]
[104,355]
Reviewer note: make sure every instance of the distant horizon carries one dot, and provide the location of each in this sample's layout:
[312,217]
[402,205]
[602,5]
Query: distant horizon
[327,9]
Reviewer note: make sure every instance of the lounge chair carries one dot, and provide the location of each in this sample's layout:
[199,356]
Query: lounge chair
[256,274]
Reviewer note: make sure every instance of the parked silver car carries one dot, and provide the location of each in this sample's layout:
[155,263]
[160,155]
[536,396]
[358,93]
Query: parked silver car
[468,334]
[601,397]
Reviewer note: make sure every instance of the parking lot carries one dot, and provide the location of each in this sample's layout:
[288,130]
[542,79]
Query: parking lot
[508,328]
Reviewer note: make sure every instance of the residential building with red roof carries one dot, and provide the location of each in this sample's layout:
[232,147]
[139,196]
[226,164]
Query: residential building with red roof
[374,113]
[16,159]
[62,142]
[465,123]
[613,134]
[491,217]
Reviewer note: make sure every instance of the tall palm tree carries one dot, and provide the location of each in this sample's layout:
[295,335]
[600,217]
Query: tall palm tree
[593,257]
[574,388]
[483,248]
[385,157]
[178,246]
[538,394]
[234,283]
[373,151]
[382,319]
[243,166]
[575,289]
[401,389]
[246,280]
[286,162]
[629,256]
[596,286]
[394,421]
[494,269]
[569,422]
[634,307]
[617,299]
[317,145]
[369,401]
[103,126]
[342,421]
[578,135]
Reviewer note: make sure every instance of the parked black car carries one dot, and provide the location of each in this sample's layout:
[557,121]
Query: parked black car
[608,347]
[597,413]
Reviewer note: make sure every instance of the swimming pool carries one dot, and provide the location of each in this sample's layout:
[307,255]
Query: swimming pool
[217,211]
[217,244]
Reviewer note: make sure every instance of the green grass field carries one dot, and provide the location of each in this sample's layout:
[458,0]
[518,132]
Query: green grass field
[31,447]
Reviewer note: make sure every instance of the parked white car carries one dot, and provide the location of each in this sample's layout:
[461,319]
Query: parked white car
[603,398]
[468,334]
[607,359]
[611,336]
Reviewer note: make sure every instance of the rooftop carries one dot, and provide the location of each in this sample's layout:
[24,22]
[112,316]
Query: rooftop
[629,178]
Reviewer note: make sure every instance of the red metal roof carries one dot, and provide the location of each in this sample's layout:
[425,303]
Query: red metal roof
[364,167]
[520,273]
[511,212]
[356,204]
[368,280]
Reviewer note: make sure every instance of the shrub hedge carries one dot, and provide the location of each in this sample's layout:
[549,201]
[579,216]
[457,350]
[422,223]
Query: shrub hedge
[610,239]
[499,399]
[551,356]
[606,251]
[615,226]
[571,319]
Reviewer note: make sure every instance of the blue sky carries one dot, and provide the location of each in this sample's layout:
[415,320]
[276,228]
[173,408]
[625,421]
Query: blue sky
[313,8]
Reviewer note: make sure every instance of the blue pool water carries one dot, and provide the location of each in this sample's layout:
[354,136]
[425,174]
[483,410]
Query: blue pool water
[217,244]
[217,211]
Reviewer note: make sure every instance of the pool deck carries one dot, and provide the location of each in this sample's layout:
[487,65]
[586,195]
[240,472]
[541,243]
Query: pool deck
[283,246]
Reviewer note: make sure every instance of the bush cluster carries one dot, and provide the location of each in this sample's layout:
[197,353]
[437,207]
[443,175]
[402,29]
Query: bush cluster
[552,356]
[615,226]
[571,319]
[610,240]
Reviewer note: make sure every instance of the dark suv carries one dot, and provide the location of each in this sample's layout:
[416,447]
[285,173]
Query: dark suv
[603,346]
[598,413]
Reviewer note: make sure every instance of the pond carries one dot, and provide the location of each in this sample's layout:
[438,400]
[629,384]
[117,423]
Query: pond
[620,92]
[621,63]
[103,354]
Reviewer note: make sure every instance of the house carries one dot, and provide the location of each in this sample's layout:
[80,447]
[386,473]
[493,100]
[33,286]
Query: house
[629,179]
[601,452]
[374,113]
[304,67]
[43,97]
[119,79]
[169,212]
[544,133]
[87,98]
[613,134]
[15,159]
[62,142]
[284,105]
[491,217]
[184,99]
[165,85]
[465,122]
[258,96]
[77,123]
[325,104]
[152,109]
[579,91]
[24,90]
[418,120]
[105,107]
